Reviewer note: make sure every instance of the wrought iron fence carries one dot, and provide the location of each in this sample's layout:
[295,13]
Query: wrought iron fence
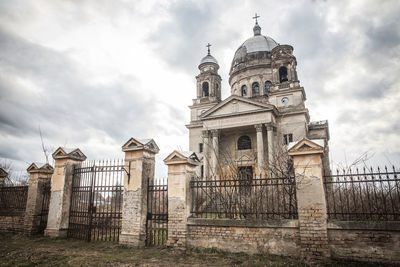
[13,200]
[260,198]
[96,200]
[157,213]
[46,191]
[363,194]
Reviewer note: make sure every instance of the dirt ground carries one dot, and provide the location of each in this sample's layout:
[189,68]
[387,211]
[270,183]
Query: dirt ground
[19,250]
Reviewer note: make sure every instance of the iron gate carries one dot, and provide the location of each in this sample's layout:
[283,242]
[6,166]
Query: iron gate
[45,207]
[96,201]
[157,213]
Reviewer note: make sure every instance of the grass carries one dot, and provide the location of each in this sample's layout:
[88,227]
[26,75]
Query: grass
[19,250]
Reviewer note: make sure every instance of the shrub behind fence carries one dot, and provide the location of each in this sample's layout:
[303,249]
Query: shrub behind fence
[260,198]
[365,194]
[13,200]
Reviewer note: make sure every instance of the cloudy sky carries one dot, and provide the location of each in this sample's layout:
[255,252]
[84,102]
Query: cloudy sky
[93,73]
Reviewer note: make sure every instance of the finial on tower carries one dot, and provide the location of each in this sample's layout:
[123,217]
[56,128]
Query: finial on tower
[257,28]
[208,48]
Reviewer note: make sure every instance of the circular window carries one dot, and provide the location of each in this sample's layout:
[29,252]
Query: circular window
[285,100]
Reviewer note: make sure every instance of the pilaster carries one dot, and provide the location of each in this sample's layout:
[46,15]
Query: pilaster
[181,168]
[61,187]
[139,166]
[311,203]
[38,178]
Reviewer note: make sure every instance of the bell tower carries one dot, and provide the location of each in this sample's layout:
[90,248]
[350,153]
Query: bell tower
[208,81]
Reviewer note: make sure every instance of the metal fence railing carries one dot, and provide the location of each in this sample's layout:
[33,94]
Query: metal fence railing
[13,200]
[364,194]
[256,198]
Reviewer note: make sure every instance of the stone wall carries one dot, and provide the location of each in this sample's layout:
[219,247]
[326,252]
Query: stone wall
[272,237]
[365,241]
[12,223]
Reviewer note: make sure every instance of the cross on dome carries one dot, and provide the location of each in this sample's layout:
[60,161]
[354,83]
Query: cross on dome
[208,48]
[256,17]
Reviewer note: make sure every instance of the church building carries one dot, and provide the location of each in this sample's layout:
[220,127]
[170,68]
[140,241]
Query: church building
[264,113]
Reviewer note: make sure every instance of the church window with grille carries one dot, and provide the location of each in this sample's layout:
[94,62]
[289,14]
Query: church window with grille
[255,87]
[283,76]
[244,142]
[287,138]
[267,87]
[244,90]
[205,89]
[201,147]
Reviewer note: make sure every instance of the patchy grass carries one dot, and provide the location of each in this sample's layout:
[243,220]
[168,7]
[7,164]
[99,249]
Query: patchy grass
[19,250]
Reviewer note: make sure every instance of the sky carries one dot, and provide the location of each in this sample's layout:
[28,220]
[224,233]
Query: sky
[93,73]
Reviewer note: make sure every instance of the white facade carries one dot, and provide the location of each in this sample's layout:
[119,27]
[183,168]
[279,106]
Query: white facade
[266,109]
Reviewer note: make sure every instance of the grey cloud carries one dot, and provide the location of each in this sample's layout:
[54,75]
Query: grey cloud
[68,106]
[181,41]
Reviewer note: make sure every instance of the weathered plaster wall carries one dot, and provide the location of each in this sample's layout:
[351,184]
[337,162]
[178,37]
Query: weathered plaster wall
[280,238]
[12,223]
[365,241]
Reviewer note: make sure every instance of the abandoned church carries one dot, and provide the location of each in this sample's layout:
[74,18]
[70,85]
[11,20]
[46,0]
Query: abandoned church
[308,212]
[266,109]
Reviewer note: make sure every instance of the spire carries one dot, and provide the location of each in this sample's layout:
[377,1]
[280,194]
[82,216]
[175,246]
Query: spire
[256,28]
[208,48]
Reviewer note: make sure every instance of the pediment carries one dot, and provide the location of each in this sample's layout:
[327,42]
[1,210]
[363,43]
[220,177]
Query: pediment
[138,144]
[182,157]
[306,146]
[235,105]
[65,153]
[3,173]
[45,168]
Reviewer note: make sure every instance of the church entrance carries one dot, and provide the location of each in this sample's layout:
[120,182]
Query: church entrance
[245,176]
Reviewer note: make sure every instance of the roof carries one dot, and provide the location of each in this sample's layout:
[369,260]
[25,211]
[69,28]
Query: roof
[208,59]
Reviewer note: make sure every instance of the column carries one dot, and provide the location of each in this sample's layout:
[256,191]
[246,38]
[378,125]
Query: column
[206,157]
[270,133]
[181,169]
[260,149]
[38,178]
[61,187]
[140,165]
[311,203]
[214,152]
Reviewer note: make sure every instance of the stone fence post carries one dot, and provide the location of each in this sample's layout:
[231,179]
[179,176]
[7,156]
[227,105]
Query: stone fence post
[38,178]
[3,176]
[139,166]
[181,168]
[311,203]
[61,187]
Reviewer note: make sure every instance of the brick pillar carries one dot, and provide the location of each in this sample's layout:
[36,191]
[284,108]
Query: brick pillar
[3,176]
[311,203]
[61,187]
[140,164]
[38,178]
[181,168]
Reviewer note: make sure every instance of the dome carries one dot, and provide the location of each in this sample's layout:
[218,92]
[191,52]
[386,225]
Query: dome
[208,59]
[257,43]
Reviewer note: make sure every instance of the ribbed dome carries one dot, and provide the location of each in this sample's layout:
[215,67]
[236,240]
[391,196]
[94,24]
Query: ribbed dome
[255,44]
[208,59]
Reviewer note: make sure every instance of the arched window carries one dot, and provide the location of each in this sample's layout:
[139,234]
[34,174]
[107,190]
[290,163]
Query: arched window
[255,89]
[244,142]
[205,89]
[283,77]
[267,87]
[244,90]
